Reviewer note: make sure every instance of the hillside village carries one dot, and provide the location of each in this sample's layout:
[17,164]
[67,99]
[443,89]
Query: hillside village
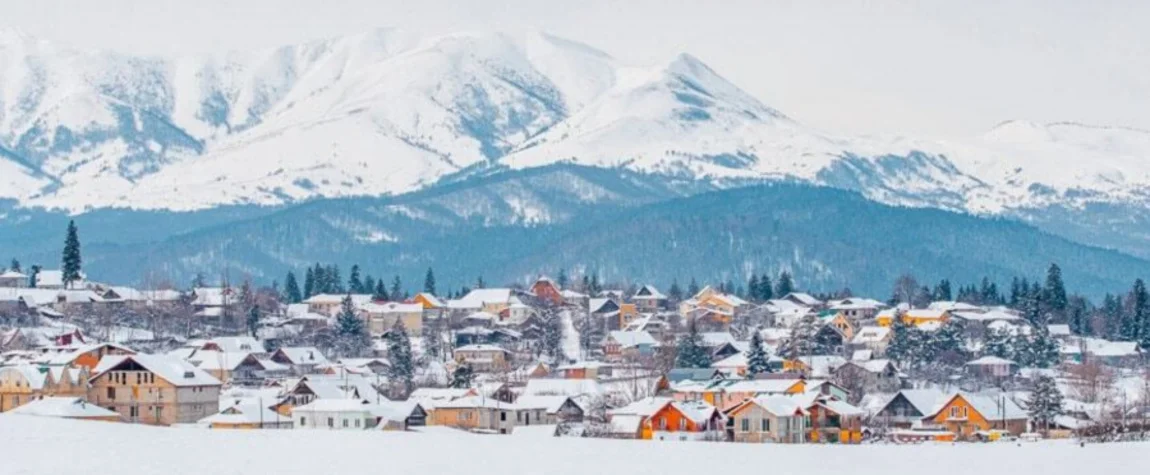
[760,363]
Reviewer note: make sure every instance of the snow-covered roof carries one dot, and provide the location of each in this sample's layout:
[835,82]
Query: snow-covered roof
[303,355]
[31,374]
[391,307]
[175,371]
[244,413]
[482,347]
[926,313]
[562,387]
[871,366]
[549,403]
[648,292]
[717,338]
[11,274]
[36,297]
[952,306]
[336,405]
[842,408]
[643,407]
[926,401]
[988,316]
[478,297]
[856,303]
[431,299]
[470,402]
[780,405]
[991,406]
[68,407]
[862,355]
[867,335]
[235,344]
[1058,329]
[629,339]
[803,298]
[737,360]
[334,299]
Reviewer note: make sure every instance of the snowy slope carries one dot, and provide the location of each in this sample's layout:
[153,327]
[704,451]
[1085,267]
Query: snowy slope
[30,443]
[388,112]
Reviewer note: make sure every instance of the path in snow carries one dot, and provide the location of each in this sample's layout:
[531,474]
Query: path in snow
[570,336]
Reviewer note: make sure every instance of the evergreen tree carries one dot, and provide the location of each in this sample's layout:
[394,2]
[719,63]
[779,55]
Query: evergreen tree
[1078,315]
[335,282]
[402,371]
[1045,402]
[785,285]
[675,293]
[802,340]
[693,288]
[368,285]
[1054,295]
[1031,306]
[942,291]
[757,360]
[1040,351]
[753,288]
[253,320]
[1114,315]
[999,342]
[198,281]
[903,341]
[396,290]
[562,279]
[595,286]
[351,334]
[309,283]
[988,292]
[354,282]
[766,290]
[15,266]
[948,340]
[691,352]
[71,256]
[480,284]
[552,340]
[432,340]
[1015,292]
[1140,314]
[34,275]
[291,289]
[380,293]
[429,282]
[462,377]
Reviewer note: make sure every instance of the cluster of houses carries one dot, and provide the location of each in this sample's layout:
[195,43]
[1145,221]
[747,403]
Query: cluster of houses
[615,387]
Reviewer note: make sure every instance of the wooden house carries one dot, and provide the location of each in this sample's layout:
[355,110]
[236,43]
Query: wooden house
[767,419]
[649,299]
[547,290]
[483,358]
[152,389]
[834,421]
[25,383]
[967,415]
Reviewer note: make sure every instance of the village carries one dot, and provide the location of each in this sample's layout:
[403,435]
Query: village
[562,357]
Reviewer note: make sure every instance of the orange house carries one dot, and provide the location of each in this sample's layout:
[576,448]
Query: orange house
[665,419]
[547,290]
[965,415]
[835,421]
[428,301]
[914,316]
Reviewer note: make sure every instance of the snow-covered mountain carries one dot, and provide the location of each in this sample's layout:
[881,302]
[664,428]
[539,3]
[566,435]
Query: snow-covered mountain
[387,112]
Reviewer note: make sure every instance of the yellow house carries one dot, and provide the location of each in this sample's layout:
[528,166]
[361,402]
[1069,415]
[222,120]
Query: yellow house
[428,301]
[915,316]
[22,384]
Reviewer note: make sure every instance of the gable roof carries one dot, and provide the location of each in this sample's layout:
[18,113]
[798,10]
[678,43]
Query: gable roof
[564,387]
[629,339]
[991,407]
[871,335]
[803,298]
[648,292]
[175,371]
[478,297]
[303,355]
[69,407]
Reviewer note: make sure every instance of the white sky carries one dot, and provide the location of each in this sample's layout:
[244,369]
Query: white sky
[933,68]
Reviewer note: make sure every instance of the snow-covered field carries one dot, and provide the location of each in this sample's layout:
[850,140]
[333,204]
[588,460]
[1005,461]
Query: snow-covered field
[30,445]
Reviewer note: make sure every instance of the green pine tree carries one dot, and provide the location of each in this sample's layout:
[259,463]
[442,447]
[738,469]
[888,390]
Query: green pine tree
[429,282]
[1044,403]
[402,372]
[291,289]
[693,288]
[309,283]
[757,360]
[675,293]
[1054,295]
[380,293]
[753,291]
[766,289]
[354,282]
[691,352]
[1140,314]
[562,279]
[71,256]
[253,321]
[350,331]
[462,377]
[785,285]
[15,266]
[396,290]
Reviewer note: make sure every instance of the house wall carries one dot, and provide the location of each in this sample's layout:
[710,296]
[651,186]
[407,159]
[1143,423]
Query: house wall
[781,430]
[140,396]
[332,420]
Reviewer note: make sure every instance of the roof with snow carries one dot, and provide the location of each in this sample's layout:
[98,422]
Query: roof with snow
[648,292]
[303,355]
[867,335]
[175,371]
[990,360]
[630,339]
[563,387]
[67,407]
[803,298]
[479,297]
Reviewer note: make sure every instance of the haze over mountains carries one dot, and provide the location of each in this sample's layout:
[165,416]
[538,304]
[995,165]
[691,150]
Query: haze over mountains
[389,112]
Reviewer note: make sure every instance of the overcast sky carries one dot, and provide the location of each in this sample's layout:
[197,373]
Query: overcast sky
[935,68]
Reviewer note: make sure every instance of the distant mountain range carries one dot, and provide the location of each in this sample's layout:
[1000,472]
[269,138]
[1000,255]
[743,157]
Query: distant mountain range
[167,151]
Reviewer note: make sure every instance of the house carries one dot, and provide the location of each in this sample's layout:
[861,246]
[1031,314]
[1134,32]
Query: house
[54,280]
[834,421]
[335,414]
[835,333]
[582,370]
[1087,349]
[577,299]
[483,358]
[13,279]
[330,305]
[967,415]
[677,375]
[649,299]
[478,413]
[619,345]
[493,301]
[431,398]
[67,408]
[734,365]
[804,299]
[992,367]
[381,317]
[234,344]
[429,301]
[557,409]
[154,389]
[213,301]
[659,418]
[817,366]
[767,419]
[857,309]
[24,383]
[301,359]
[918,317]
[729,393]
[239,368]
[711,306]
[247,416]
[721,344]
[908,407]
[88,356]
[873,338]
[547,290]
[869,376]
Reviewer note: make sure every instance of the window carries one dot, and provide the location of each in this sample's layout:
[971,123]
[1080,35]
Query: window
[663,423]
[345,423]
[682,424]
[766,425]
[502,415]
[954,412]
[134,412]
[111,392]
[330,422]
[746,425]
[303,421]
[357,423]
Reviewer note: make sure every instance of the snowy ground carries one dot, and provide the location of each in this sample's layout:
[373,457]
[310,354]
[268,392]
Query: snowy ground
[570,336]
[33,446]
